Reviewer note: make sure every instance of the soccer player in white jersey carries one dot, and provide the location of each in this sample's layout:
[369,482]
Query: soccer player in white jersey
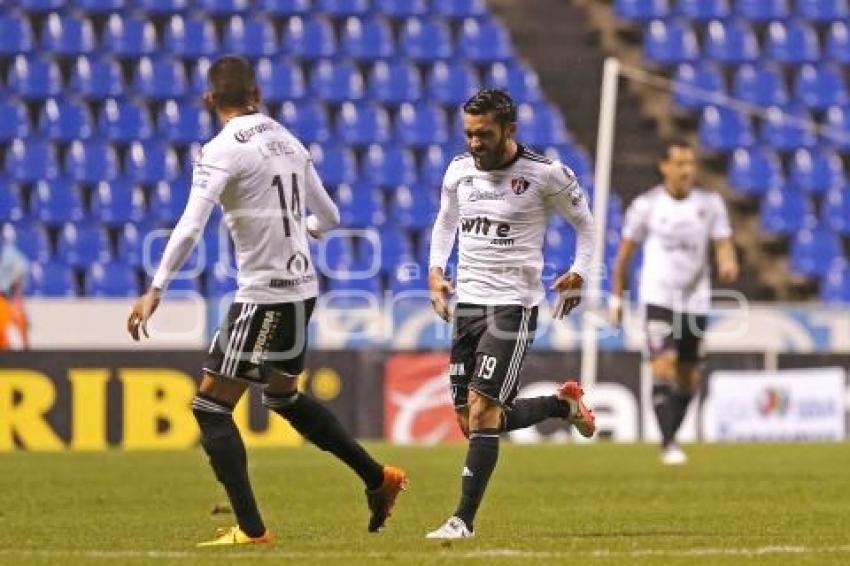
[676,223]
[264,181]
[498,198]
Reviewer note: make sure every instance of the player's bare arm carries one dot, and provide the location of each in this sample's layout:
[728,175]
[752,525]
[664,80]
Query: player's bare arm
[440,289]
[142,310]
[618,285]
[727,260]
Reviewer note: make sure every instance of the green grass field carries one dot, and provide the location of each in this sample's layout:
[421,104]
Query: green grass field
[547,504]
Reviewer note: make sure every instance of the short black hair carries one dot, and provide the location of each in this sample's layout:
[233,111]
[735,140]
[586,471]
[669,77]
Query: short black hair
[675,142]
[492,100]
[232,81]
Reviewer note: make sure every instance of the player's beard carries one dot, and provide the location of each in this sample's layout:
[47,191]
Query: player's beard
[492,159]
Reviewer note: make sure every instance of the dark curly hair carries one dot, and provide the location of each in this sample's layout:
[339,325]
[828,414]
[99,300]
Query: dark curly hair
[496,101]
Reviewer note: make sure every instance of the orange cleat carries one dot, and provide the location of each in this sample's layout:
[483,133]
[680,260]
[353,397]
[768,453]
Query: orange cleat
[228,536]
[382,500]
[581,416]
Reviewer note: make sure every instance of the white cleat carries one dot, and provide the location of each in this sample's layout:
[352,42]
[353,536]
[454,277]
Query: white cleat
[451,529]
[673,456]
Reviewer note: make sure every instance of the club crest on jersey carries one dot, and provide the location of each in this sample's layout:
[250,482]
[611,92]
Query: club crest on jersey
[519,185]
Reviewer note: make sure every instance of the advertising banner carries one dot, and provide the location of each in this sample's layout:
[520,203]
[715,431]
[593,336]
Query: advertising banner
[785,405]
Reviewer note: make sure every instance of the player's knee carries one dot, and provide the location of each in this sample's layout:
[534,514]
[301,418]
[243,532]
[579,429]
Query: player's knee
[484,413]
[665,367]
[688,374]
[214,418]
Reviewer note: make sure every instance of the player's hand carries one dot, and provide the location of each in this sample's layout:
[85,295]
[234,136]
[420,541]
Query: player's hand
[615,310]
[728,271]
[141,312]
[440,290]
[569,287]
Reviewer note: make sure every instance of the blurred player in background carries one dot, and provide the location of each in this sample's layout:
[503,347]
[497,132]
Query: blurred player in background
[500,195]
[264,180]
[676,223]
[13,321]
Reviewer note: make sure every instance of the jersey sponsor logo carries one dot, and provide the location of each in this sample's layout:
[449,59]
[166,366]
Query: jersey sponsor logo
[478,194]
[270,321]
[519,185]
[297,264]
[286,283]
[483,226]
[242,136]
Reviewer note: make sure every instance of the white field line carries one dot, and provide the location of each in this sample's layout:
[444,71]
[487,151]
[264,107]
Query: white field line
[438,552]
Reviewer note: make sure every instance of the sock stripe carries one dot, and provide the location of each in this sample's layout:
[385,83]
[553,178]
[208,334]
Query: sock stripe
[273,402]
[516,358]
[201,404]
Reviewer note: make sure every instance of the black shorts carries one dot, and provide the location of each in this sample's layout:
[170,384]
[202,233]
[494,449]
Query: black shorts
[488,347]
[254,337]
[681,333]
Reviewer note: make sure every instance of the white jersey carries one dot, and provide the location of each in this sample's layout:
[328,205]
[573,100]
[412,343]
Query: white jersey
[264,180]
[676,234]
[502,216]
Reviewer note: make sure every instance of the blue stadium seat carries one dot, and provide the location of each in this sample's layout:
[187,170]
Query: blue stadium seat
[760,84]
[91,161]
[435,159]
[130,244]
[52,279]
[14,120]
[792,42]
[65,120]
[517,79]
[425,40]
[408,277]
[100,7]
[35,77]
[219,281]
[402,8]
[15,35]
[820,86]
[835,286]
[167,202]
[67,36]
[198,76]
[160,78]
[96,78]
[575,157]
[308,120]
[80,245]
[336,164]
[785,212]
[151,162]
[422,124]
[836,210]
[360,206]
[703,10]
[395,248]
[541,125]
[698,84]
[731,42]
[336,81]
[224,7]
[724,129]
[813,251]
[389,165]
[822,11]
[788,128]
[837,130]
[451,84]
[184,123]
[423,250]
[346,283]
[280,80]
[484,41]
[190,269]
[413,207]
[31,159]
[39,6]
[124,121]
[670,42]
[763,10]
[163,7]
[838,42]
[394,82]
[112,279]
[367,39]
[755,170]
[30,238]
[191,37]
[336,253]
[559,246]
[816,170]
[362,124]
[56,202]
[641,11]
[11,207]
[309,38]
[250,37]
[460,9]
[286,8]
[128,38]
[118,202]
[343,8]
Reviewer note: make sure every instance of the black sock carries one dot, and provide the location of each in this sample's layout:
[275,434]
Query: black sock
[481,460]
[530,411]
[317,424]
[662,402]
[679,401]
[223,445]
